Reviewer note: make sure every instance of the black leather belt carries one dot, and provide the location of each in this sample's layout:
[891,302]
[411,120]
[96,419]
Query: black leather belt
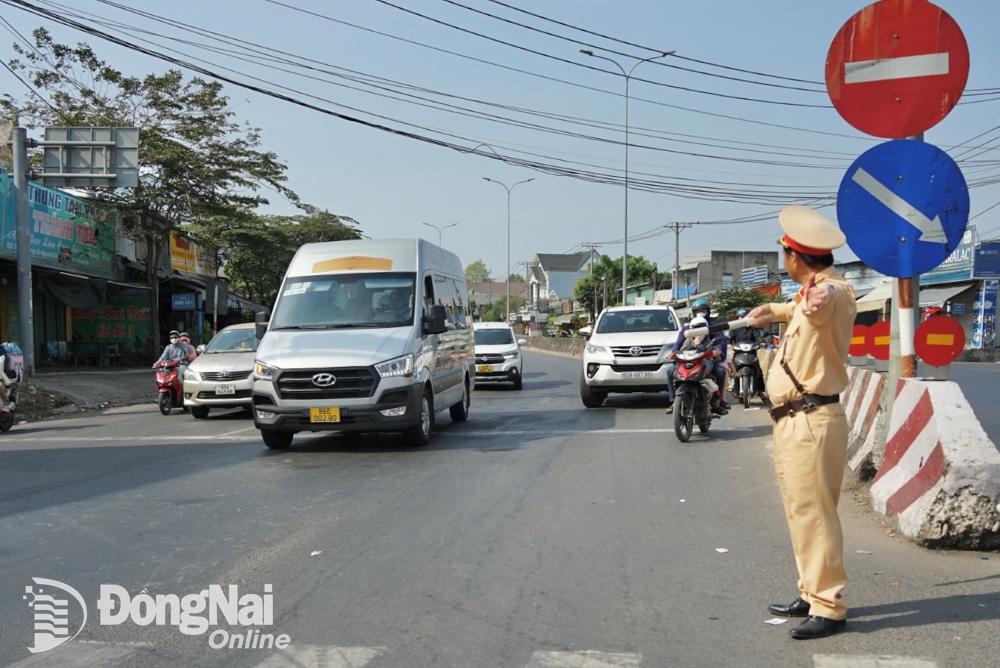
[807,404]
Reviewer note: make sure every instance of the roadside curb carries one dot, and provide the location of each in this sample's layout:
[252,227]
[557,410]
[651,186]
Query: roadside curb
[555,353]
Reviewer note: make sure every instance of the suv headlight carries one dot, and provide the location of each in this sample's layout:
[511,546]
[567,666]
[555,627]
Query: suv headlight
[513,355]
[192,375]
[263,371]
[400,366]
[594,350]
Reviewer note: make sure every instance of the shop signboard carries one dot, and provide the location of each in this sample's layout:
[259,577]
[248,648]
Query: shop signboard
[984,327]
[190,256]
[957,266]
[987,260]
[67,233]
[125,320]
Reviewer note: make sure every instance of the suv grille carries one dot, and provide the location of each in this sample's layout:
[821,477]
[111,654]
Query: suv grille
[352,383]
[217,376]
[489,359]
[626,351]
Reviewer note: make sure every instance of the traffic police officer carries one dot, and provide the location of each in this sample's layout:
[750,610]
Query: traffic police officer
[810,429]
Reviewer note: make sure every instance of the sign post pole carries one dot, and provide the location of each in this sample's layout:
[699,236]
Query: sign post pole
[23,236]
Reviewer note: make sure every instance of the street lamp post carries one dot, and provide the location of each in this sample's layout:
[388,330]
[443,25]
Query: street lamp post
[507,275]
[627,75]
[440,230]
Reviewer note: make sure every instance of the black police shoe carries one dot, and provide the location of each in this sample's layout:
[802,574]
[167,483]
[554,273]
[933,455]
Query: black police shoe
[818,627]
[797,608]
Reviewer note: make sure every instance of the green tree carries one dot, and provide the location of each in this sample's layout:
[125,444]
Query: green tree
[607,272]
[727,302]
[257,249]
[516,278]
[196,161]
[477,272]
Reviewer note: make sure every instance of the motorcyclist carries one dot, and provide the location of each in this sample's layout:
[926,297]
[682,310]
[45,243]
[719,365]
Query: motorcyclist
[172,351]
[752,335]
[701,309]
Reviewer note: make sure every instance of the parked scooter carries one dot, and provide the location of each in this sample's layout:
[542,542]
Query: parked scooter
[694,388]
[11,377]
[169,386]
[749,381]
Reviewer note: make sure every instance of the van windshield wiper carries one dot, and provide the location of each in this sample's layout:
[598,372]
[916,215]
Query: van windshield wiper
[305,327]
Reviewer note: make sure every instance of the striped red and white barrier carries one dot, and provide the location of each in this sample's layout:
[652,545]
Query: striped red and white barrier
[862,406]
[939,479]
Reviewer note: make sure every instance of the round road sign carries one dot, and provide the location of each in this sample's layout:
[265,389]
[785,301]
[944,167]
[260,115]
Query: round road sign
[897,67]
[859,341]
[903,206]
[939,341]
[878,340]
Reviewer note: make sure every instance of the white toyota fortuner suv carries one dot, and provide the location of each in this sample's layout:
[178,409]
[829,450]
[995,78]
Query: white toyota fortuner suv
[627,352]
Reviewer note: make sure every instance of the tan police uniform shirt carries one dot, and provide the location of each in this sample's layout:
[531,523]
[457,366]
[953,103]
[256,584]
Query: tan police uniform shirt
[815,343]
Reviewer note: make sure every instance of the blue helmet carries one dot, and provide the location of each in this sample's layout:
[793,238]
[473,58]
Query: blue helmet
[700,304]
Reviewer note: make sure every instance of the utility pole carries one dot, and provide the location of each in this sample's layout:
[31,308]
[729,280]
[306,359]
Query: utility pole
[675,281]
[23,236]
[592,248]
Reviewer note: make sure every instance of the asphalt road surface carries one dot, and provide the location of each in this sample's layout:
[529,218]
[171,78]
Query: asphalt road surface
[980,382]
[536,534]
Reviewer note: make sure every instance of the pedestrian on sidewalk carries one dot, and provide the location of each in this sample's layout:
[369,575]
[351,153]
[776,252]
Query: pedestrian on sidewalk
[810,428]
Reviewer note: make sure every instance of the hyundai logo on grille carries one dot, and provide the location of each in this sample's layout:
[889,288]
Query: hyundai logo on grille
[324,380]
[635,351]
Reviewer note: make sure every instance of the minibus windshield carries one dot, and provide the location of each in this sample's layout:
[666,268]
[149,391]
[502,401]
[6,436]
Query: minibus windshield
[345,300]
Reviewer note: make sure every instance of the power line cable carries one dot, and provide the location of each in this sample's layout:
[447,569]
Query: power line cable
[593,68]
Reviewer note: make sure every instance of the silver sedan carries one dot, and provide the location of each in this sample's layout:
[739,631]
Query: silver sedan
[222,375]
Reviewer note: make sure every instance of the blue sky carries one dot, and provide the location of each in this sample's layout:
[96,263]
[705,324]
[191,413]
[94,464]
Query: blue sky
[391,185]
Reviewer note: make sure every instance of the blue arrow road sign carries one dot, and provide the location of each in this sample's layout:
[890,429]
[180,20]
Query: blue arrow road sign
[903,206]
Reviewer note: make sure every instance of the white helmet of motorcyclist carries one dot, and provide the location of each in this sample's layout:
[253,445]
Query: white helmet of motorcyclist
[695,323]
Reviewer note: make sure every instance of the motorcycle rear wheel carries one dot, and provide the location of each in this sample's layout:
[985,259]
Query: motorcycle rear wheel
[6,421]
[683,418]
[166,403]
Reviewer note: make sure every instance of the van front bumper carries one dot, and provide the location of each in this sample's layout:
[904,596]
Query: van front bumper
[354,415]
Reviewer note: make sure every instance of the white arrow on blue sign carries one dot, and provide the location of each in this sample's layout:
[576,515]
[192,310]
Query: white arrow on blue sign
[904,206]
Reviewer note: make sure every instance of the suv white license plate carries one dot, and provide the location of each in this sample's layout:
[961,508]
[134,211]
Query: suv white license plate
[637,374]
[226,389]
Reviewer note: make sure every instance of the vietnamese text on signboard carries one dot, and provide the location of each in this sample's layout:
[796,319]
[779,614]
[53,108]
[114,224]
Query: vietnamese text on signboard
[190,256]
[125,320]
[957,266]
[987,262]
[67,232]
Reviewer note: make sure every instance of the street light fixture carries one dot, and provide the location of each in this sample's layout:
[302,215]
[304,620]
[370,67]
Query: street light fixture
[507,275]
[440,230]
[627,75]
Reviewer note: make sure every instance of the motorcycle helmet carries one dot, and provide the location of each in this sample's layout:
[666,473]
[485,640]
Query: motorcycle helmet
[700,305]
[697,322]
[742,313]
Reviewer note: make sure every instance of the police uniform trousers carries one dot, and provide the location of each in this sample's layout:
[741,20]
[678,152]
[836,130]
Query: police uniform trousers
[809,452]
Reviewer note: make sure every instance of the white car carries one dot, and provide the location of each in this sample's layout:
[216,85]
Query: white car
[627,352]
[498,354]
[220,377]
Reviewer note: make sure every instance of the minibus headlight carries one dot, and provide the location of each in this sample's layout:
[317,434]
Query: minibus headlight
[400,366]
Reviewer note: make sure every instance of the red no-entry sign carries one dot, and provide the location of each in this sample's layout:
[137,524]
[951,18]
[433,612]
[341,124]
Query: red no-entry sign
[939,341]
[878,340]
[859,341]
[897,67]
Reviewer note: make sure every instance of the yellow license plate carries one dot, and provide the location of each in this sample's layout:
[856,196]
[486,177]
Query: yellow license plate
[484,368]
[324,414]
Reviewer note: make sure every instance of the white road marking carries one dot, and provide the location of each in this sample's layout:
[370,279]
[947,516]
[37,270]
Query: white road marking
[321,656]
[584,659]
[83,654]
[130,439]
[930,230]
[904,67]
[870,661]
[554,432]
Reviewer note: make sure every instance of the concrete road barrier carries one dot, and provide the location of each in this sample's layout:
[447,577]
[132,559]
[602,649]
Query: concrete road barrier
[560,344]
[861,403]
[939,481]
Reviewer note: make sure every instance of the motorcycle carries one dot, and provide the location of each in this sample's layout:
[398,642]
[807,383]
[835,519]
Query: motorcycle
[11,376]
[749,381]
[695,388]
[169,386]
